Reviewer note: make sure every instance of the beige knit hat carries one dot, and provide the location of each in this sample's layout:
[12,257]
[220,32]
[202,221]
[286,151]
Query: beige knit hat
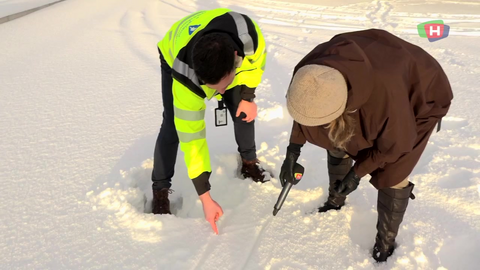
[317,95]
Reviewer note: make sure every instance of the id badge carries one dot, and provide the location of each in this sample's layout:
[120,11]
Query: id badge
[220,115]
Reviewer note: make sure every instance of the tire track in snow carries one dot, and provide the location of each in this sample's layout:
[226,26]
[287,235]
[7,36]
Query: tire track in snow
[372,16]
[211,245]
[256,242]
[206,252]
[379,16]
[386,13]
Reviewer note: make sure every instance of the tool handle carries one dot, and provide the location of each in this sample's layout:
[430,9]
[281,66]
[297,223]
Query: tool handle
[282,197]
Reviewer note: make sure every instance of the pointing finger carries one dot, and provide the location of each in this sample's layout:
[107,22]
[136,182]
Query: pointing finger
[214,226]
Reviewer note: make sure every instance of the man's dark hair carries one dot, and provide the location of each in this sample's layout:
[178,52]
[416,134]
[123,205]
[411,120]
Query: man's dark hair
[213,57]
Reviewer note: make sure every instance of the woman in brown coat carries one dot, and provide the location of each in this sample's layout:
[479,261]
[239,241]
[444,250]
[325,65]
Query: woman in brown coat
[372,98]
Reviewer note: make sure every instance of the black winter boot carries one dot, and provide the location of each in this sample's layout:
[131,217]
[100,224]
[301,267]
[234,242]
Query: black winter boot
[160,203]
[252,169]
[337,169]
[391,206]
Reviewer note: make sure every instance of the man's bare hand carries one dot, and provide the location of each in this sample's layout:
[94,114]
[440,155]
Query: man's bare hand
[212,210]
[249,108]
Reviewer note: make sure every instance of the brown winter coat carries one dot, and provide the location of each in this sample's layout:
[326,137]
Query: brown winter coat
[398,93]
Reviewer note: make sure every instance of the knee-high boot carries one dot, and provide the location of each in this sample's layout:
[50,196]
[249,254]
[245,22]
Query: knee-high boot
[391,207]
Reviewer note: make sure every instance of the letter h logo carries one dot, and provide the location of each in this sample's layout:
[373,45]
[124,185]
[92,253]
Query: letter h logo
[433,30]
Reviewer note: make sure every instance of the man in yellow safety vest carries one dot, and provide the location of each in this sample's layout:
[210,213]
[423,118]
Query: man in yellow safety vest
[213,53]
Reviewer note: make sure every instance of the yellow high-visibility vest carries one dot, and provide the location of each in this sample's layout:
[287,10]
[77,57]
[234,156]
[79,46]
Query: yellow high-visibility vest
[188,94]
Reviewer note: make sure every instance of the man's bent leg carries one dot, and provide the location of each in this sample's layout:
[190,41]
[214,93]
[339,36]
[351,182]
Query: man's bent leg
[244,132]
[245,137]
[166,147]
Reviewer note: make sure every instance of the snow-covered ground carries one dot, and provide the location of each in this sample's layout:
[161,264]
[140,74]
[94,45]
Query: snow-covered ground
[80,108]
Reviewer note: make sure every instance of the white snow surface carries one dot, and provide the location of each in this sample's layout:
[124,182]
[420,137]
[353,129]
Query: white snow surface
[80,109]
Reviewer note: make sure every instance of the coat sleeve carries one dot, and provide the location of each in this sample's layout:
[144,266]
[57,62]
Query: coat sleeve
[397,137]
[189,110]
[297,136]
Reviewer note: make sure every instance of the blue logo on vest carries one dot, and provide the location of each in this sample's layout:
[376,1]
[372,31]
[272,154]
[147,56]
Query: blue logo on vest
[192,28]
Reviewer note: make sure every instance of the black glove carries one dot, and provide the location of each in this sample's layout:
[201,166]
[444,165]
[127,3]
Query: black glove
[348,184]
[286,172]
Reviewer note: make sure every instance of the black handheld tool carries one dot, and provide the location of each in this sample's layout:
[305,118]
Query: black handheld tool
[298,171]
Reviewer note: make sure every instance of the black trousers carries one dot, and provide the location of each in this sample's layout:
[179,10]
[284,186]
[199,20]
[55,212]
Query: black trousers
[166,147]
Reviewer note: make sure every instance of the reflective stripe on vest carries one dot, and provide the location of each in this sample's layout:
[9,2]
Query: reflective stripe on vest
[188,137]
[189,115]
[185,70]
[242,30]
